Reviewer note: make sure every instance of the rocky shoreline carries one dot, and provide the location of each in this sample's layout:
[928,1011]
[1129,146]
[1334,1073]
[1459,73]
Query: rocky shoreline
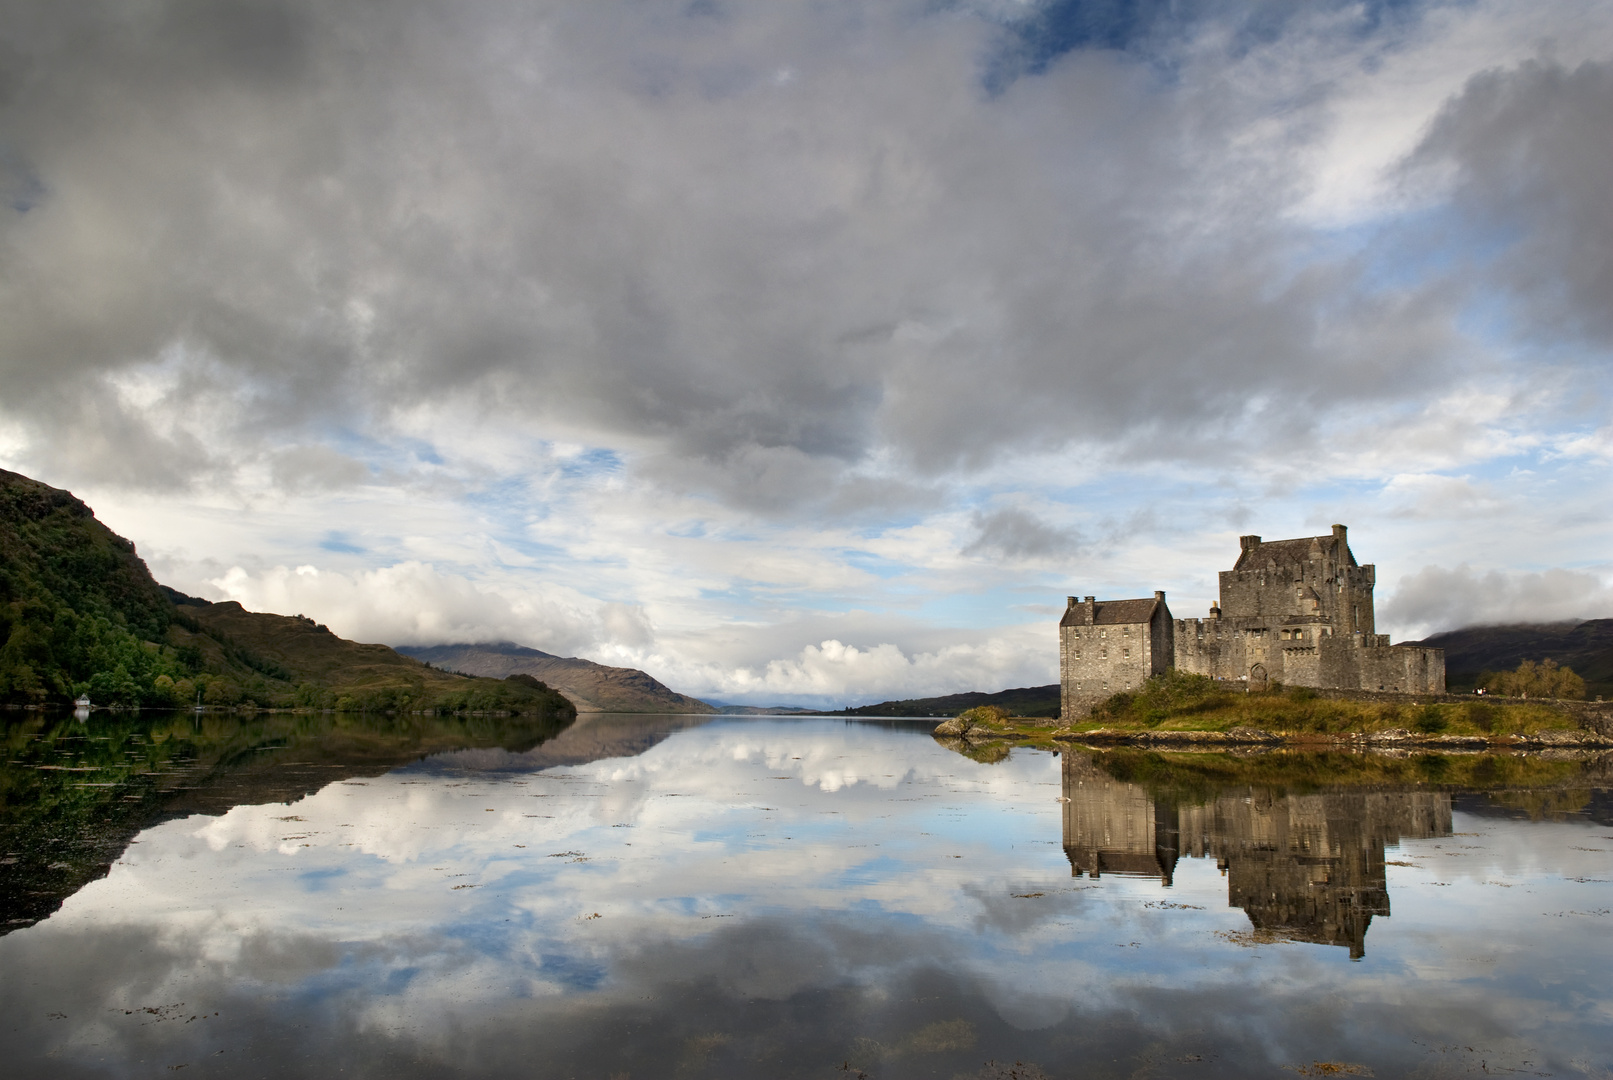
[1394,738]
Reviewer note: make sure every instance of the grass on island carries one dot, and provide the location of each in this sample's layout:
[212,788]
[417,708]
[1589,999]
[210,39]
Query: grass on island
[1178,701]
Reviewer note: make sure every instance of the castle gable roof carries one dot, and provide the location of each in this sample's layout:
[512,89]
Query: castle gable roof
[1112,613]
[1288,552]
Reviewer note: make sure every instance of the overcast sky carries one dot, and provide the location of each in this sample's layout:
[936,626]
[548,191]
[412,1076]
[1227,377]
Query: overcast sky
[813,352]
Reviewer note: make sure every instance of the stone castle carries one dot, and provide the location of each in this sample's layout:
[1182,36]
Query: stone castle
[1298,612]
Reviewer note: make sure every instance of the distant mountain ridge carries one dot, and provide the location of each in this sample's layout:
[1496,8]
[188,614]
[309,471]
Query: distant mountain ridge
[1022,701]
[591,687]
[1585,646]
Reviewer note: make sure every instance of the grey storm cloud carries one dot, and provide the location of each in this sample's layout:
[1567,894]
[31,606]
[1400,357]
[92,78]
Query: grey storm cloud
[1532,150]
[1436,598]
[763,244]
[1017,534]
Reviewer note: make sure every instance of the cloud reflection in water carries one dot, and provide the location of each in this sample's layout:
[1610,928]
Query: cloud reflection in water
[772,898]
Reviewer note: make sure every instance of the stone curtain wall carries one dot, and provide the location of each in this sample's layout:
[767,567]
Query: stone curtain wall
[1308,658]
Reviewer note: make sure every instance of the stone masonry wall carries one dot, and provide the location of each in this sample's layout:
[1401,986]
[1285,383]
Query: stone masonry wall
[1099,661]
[1111,647]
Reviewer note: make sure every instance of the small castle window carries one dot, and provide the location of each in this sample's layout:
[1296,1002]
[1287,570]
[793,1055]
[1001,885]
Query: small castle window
[1125,652]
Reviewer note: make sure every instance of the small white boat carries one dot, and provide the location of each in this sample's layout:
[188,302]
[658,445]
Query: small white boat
[83,702]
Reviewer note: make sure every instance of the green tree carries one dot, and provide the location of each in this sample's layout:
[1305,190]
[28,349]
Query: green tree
[115,687]
[1546,679]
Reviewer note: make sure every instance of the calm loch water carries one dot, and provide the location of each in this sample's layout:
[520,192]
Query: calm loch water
[637,897]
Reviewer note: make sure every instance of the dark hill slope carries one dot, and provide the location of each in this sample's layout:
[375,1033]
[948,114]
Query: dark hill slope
[75,599]
[1024,701]
[592,687]
[80,613]
[1587,647]
[54,550]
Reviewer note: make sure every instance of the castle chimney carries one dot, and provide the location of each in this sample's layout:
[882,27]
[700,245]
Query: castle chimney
[1159,594]
[1071,603]
[1215,609]
[1091,604]
[1339,532]
[1249,543]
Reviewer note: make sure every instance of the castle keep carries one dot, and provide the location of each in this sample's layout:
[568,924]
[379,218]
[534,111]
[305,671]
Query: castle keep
[1297,612]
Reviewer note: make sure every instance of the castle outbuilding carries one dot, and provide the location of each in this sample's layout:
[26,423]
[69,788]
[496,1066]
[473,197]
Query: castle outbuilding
[1298,612]
[1109,646]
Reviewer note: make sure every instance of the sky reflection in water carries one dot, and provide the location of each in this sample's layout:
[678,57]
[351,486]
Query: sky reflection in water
[787,897]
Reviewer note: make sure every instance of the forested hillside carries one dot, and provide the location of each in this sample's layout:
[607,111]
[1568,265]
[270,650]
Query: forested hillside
[81,614]
[78,608]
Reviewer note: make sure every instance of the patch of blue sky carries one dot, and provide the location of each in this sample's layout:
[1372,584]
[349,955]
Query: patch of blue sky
[1153,31]
[510,495]
[1433,243]
[320,880]
[364,447]
[1003,606]
[538,551]
[876,565]
[592,463]
[422,451]
[1498,319]
[338,542]
[1031,43]
[1261,22]
[744,597]
[1503,468]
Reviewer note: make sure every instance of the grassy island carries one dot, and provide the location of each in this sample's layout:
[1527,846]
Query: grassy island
[1191,709]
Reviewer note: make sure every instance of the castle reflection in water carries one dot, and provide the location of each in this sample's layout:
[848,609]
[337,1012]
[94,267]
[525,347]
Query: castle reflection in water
[1304,867]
